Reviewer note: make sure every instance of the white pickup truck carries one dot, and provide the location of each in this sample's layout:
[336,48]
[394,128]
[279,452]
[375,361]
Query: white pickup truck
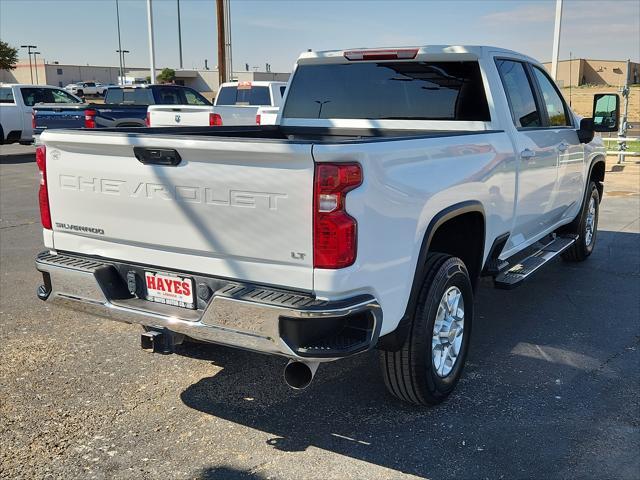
[237,103]
[16,108]
[395,179]
[86,88]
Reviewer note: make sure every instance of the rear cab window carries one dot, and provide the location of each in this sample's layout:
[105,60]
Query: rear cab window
[388,91]
[243,95]
[129,96]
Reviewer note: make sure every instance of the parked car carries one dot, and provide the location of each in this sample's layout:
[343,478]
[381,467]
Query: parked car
[123,107]
[85,88]
[237,103]
[395,179]
[16,108]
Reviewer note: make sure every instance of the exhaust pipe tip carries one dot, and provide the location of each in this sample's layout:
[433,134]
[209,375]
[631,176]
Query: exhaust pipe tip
[298,375]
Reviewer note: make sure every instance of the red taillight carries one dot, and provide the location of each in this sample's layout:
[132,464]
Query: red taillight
[386,54]
[334,230]
[90,118]
[215,120]
[33,120]
[258,119]
[43,192]
[147,120]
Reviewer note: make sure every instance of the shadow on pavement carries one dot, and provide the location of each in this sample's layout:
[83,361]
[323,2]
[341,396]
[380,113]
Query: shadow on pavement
[225,473]
[544,391]
[17,159]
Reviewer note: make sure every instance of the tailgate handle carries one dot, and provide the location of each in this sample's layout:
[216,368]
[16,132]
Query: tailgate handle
[157,156]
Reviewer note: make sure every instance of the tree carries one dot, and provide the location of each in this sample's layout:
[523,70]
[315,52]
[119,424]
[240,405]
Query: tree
[167,75]
[8,56]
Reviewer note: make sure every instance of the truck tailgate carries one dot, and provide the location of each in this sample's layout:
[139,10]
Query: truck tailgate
[236,114]
[179,115]
[58,116]
[230,208]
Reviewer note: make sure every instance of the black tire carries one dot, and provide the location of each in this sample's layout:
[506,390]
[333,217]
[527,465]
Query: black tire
[409,373]
[80,93]
[582,248]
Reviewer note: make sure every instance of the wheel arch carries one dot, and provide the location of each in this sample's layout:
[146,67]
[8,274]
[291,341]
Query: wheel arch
[596,173]
[441,225]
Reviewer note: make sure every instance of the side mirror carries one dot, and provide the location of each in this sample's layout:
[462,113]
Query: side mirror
[586,132]
[606,112]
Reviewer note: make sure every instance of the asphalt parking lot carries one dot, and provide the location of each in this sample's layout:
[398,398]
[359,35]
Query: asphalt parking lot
[551,388]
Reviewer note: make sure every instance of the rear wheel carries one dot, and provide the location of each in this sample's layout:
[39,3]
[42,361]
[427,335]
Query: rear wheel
[587,228]
[428,366]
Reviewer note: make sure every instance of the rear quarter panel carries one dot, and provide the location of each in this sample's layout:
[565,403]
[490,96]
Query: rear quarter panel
[115,116]
[406,183]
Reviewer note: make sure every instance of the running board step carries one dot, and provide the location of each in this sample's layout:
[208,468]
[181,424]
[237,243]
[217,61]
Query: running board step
[518,273]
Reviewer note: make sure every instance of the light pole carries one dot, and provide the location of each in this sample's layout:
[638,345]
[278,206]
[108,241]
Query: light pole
[152,53]
[124,65]
[556,41]
[119,43]
[179,35]
[35,66]
[29,47]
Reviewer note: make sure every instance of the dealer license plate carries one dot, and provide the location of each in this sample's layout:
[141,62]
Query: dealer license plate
[169,289]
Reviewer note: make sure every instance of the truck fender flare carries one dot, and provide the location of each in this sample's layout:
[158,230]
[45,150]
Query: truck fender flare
[394,340]
[571,226]
[596,160]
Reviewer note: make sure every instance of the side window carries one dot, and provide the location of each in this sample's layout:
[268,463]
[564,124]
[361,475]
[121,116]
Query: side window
[520,94]
[60,96]
[31,96]
[6,95]
[168,96]
[194,98]
[553,102]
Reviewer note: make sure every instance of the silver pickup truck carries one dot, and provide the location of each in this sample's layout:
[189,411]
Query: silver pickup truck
[395,179]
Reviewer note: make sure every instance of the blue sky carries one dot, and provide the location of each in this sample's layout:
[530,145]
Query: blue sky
[84,31]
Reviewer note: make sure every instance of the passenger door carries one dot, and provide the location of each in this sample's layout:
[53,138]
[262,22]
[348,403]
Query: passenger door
[10,112]
[535,147]
[567,194]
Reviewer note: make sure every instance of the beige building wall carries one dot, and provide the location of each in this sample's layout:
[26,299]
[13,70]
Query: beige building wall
[582,71]
[59,74]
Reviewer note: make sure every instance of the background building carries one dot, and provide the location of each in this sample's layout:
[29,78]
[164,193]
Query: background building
[57,74]
[584,71]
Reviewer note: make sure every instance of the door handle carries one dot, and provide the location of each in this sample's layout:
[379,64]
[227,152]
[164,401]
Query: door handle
[157,156]
[562,146]
[527,153]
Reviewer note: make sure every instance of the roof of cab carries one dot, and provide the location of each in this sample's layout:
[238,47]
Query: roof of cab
[256,83]
[425,52]
[26,85]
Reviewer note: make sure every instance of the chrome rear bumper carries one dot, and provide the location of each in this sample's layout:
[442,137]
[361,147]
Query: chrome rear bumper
[239,315]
